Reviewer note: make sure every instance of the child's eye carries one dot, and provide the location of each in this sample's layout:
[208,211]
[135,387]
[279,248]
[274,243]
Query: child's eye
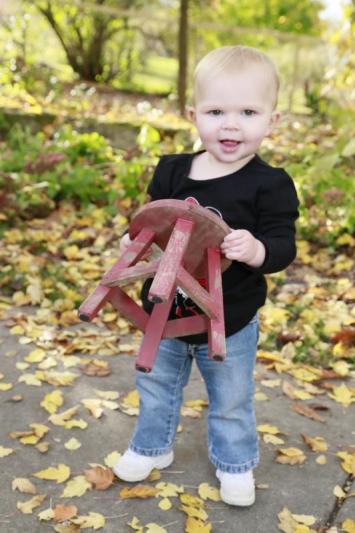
[249,112]
[215,112]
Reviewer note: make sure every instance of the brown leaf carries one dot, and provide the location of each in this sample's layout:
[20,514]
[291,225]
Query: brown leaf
[346,336]
[93,369]
[307,411]
[138,491]
[64,512]
[99,476]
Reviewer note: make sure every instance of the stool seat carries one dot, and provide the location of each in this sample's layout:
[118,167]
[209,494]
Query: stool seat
[189,237]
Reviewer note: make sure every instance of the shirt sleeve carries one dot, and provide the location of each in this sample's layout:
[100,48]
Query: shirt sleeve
[158,188]
[278,211]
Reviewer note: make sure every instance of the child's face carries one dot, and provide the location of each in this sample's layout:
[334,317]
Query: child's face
[234,112]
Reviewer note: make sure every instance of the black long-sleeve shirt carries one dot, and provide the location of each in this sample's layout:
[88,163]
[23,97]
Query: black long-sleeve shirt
[258,198]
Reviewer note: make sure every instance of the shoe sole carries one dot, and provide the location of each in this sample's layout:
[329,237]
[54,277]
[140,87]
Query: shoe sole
[161,463]
[239,502]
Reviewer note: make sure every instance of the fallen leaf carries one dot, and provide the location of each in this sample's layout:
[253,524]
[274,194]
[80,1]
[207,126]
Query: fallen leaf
[321,460]
[307,411]
[47,514]
[194,525]
[154,528]
[28,506]
[59,473]
[23,484]
[348,525]
[52,401]
[4,452]
[76,487]
[291,456]
[111,459]
[64,512]
[92,520]
[316,444]
[138,491]
[343,395]
[165,504]
[168,490]
[100,477]
[338,492]
[206,492]
[72,444]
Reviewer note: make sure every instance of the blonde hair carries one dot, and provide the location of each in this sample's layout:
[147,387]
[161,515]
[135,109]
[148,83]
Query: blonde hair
[233,58]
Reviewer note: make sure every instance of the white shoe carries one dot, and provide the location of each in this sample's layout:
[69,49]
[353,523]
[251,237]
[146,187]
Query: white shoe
[133,466]
[237,489]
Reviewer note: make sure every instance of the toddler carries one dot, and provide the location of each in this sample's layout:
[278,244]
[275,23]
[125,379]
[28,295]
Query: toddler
[235,97]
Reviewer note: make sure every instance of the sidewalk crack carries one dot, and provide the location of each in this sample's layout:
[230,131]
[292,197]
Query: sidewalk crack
[338,504]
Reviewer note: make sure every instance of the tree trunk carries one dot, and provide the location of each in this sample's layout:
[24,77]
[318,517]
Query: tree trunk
[182,54]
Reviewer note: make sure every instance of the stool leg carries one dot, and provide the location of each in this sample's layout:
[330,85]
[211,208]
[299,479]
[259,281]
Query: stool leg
[165,278]
[216,330]
[153,335]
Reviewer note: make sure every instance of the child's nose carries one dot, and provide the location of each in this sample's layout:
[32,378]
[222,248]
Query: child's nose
[231,122]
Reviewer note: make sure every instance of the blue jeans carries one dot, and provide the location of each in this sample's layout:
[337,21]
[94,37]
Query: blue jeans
[232,435]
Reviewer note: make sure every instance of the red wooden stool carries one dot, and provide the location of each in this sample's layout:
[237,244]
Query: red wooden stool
[189,236]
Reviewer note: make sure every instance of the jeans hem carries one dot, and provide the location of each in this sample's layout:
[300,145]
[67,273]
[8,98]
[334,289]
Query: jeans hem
[233,468]
[150,452]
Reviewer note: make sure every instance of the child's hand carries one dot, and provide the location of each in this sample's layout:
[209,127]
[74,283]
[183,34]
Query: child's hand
[240,245]
[126,241]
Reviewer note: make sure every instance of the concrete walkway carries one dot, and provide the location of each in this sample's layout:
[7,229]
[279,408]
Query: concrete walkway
[305,489]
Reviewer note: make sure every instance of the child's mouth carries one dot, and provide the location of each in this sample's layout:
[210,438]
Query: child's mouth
[229,143]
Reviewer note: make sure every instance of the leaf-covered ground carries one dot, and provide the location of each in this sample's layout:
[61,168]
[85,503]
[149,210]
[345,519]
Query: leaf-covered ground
[306,355]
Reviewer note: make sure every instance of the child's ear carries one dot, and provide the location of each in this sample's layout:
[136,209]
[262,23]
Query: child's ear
[275,118]
[190,113]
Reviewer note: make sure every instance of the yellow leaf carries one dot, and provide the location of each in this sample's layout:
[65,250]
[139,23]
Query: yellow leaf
[5,386]
[206,492]
[348,525]
[272,439]
[59,473]
[4,452]
[343,395]
[76,423]
[35,356]
[72,252]
[196,404]
[39,429]
[30,379]
[167,490]
[191,500]
[28,506]
[287,523]
[291,456]
[194,512]
[196,526]
[307,520]
[131,399]
[271,383]
[267,428]
[338,492]
[112,458]
[23,484]
[72,444]
[61,418]
[348,463]
[321,460]
[138,491]
[135,524]
[316,444]
[342,368]
[154,528]
[92,520]
[52,401]
[165,504]
[107,394]
[30,439]
[76,487]
[47,514]
[301,528]
[94,406]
